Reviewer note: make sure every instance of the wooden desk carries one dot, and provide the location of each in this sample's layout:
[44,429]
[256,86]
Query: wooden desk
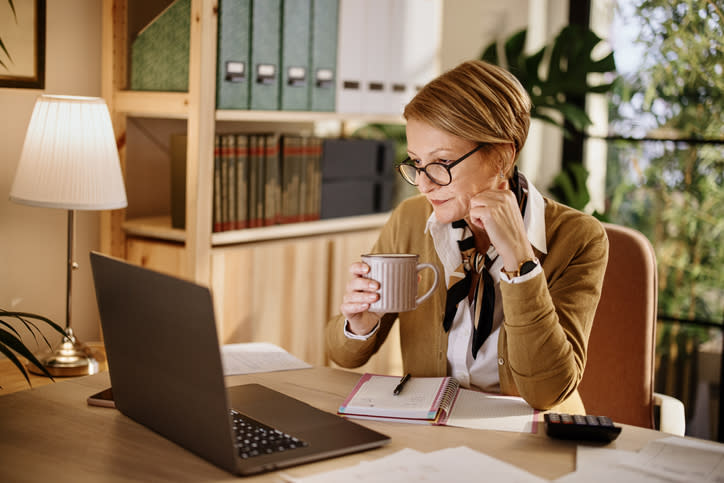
[50,434]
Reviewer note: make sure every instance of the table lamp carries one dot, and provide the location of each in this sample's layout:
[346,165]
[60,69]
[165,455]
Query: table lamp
[70,161]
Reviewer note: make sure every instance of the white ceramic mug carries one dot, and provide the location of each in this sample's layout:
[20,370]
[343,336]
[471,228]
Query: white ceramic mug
[397,276]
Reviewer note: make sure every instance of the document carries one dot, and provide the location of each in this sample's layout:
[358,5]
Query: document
[460,465]
[670,459]
[437,401]
[254,357]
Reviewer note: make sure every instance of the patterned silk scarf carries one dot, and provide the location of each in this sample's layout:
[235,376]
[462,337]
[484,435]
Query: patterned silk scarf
[484,294]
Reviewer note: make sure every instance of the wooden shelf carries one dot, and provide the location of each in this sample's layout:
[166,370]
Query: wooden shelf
[174,105]
[159,227]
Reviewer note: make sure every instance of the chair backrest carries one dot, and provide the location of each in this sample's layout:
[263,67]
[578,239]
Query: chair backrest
[619,375]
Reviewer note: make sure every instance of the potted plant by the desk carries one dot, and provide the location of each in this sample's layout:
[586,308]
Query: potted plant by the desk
[11,343]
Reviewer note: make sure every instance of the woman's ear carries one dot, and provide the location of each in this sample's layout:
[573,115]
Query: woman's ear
[506,158]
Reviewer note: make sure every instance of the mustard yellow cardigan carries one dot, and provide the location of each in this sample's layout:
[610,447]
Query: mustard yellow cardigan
[547,320]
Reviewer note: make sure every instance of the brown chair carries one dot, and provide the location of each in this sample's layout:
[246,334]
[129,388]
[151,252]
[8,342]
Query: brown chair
[619,377]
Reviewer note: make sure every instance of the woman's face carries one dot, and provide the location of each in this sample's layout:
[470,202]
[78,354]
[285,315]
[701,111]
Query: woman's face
[477,173]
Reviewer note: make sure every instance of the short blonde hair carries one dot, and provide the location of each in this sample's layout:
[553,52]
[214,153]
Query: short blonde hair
[476,101]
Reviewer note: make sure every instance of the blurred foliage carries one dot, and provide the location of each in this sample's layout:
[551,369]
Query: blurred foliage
[556,74]
[557,77]
[669,190]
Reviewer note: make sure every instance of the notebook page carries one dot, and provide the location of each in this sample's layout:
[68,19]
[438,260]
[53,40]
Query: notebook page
[374,396]
[479,410]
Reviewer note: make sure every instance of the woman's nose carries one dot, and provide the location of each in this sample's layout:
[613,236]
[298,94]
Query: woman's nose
[423,182]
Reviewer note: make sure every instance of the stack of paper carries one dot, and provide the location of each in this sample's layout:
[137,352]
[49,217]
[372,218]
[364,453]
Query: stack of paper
[668,459]
[254,357]
[460,465]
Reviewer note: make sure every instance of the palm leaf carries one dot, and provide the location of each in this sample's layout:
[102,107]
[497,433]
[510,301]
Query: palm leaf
[9,341]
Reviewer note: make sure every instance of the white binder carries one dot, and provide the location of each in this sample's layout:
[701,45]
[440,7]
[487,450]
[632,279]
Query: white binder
[350,56]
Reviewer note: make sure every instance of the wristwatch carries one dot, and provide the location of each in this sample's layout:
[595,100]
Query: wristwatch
[526,266]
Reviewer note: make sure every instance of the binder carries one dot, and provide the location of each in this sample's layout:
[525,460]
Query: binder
[160,52]
[323,55]
[398,63]
[178,181]
[234,42]
[265,53]
[375,78]
[422,63]
[294,85]
[350,56]
[218,187]
[228,155]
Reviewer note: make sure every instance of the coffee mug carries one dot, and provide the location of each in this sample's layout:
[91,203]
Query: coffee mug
[397,276]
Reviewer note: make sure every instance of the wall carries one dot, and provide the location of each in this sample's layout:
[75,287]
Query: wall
[33,240]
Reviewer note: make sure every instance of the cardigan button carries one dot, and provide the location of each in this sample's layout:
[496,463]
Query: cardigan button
[500,361]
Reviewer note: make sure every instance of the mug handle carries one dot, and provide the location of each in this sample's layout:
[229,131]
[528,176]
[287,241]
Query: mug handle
[427,294]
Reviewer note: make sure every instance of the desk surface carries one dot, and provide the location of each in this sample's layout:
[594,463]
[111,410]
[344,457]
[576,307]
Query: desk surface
[50,433]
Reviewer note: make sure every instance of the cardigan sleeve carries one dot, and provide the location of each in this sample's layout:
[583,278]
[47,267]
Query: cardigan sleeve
[349,352]
[548,319]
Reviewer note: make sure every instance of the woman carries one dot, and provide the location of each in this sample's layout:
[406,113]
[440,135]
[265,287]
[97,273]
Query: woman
[523,273]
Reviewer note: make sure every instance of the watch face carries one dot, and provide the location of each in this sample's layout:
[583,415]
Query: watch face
[527,267]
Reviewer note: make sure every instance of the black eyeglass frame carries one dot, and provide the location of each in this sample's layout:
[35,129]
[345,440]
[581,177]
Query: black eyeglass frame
[448,167]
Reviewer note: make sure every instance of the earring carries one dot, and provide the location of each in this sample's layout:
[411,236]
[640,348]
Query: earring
[502,176]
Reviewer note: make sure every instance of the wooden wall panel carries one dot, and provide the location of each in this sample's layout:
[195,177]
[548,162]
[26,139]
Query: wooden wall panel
[274,292]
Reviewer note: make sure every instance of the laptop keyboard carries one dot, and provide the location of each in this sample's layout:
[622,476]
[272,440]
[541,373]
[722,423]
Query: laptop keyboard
[254,438]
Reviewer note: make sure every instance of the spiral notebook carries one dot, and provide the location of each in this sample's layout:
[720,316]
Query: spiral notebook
[436,401]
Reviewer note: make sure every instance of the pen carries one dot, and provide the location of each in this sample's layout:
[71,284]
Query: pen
[399,387]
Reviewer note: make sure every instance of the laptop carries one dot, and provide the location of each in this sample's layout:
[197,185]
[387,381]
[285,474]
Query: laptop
[166,373]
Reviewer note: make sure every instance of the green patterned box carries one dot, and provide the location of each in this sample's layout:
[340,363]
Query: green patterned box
[160,52]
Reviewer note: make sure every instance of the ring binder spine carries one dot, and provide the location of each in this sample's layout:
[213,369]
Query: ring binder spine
[448,398]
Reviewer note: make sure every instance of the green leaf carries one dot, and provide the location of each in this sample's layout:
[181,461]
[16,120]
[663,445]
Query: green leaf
[14,359]
[10,341]
[569,186]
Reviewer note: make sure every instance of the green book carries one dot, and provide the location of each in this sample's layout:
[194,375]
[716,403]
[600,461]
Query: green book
[242,181]
[294,90]
[265,52]
[323,55]
[160,52]
[234,42]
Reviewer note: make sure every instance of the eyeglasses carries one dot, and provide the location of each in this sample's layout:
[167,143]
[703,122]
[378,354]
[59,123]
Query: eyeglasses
[438,173]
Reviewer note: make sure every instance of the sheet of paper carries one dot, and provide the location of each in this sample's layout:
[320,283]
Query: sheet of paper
[671,459]
[254,357]
[460,464]
[480,410]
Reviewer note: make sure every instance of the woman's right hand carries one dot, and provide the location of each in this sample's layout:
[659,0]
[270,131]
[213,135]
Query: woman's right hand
[359,294]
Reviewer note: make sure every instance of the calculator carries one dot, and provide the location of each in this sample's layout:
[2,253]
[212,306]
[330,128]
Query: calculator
[581,427]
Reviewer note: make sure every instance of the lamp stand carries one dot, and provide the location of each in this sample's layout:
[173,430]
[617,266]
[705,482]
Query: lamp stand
[71,358]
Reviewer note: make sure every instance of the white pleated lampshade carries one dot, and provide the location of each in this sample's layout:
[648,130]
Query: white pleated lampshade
[69,158]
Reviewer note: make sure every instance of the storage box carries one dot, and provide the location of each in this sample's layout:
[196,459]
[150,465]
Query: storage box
[160,52]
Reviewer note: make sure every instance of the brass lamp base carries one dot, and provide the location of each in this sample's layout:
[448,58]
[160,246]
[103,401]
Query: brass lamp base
[71,358]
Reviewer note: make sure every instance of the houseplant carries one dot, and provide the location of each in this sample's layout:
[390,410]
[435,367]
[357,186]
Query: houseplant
[11,343]
[557,77]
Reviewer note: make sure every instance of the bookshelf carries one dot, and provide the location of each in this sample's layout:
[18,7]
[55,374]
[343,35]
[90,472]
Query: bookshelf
[279,283]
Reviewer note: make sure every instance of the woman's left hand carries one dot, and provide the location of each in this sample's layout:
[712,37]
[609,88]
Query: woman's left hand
[496,211]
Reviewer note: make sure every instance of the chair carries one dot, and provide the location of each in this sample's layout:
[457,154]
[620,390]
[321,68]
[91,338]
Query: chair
[619,377]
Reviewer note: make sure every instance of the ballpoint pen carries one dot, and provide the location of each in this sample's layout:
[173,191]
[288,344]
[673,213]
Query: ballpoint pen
[398,388]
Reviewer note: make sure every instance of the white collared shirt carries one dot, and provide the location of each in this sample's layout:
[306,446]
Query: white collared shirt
[482,372]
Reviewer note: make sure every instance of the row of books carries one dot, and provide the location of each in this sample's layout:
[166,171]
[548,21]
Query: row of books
[348,56]
[265,179]
[272,178]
